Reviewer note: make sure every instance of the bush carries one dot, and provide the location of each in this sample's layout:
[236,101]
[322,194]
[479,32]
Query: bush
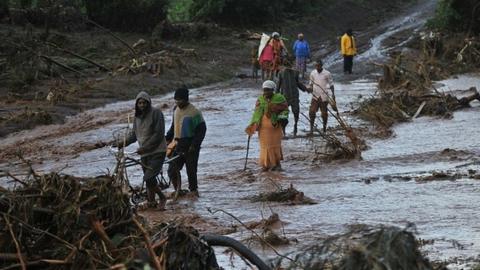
[127,15]
[245,12]
[178,10]
[457,15]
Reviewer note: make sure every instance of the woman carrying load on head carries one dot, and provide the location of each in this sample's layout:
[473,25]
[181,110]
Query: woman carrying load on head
[279,50]
[266,62]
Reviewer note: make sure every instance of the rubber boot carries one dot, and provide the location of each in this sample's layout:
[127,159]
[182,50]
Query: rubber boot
[162,199]
[151,203]
[177,185]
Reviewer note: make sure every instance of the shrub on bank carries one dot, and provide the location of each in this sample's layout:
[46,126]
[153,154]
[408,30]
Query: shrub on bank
[457,15]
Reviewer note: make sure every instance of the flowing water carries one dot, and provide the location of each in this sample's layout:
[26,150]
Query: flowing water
[379,189]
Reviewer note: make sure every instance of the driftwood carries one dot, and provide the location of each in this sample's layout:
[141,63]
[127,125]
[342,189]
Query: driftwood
[391,107]
[49,59]
[102,67]
[419,109]
[62,221]
[148,243]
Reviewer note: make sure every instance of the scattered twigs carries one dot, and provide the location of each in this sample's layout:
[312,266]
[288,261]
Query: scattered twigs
[148,243]
[98,228]
[213,212]
[9,256]
[16,179]
[49,59]
[17,246]
[349,133]
[331,139]
[37,230]
[102,67]
[130,48]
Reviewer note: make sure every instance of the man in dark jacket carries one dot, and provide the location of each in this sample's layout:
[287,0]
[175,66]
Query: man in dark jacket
[149,131]
[288,85]
[186,133]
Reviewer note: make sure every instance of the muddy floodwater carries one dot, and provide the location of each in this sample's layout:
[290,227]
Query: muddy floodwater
[379,189]
[384,187]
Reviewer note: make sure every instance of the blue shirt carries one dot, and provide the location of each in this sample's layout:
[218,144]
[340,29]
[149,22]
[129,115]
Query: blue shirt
[301,48]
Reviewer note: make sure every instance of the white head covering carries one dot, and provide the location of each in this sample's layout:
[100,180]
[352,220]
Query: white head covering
[269,84]
[275,34]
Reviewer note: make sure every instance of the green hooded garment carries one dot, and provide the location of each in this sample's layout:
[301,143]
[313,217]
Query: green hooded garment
[262,106]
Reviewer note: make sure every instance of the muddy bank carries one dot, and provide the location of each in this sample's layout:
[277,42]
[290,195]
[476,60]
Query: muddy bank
[46,94]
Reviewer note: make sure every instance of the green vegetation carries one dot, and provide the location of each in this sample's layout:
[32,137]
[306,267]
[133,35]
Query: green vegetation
[457,15]
[178,10]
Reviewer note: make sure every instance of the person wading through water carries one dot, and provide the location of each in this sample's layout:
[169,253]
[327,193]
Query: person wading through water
[288,85]
[320,82]
[149,131]
[266,62]
[279,51]
[185,137]
[349,50]
[301,49]
[271,109]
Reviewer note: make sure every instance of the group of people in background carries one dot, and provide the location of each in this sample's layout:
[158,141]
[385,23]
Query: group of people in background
[270,116]
[181,144]
[275,54]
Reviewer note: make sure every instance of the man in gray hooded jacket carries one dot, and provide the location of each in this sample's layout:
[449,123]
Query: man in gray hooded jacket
[149,131]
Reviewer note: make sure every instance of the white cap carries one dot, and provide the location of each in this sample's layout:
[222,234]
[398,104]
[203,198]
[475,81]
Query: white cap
[269,84]
[275,34]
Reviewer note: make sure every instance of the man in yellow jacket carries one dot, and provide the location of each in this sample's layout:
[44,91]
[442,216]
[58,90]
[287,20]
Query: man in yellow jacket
[349,50]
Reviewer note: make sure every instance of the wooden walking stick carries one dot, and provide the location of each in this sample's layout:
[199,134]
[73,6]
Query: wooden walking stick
[246,157]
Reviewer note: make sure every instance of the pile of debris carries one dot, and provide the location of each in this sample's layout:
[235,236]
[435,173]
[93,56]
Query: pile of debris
[391,107]
[406,88]
[268,234]
[364,247]
[64,222]
[156,62]
[289,195]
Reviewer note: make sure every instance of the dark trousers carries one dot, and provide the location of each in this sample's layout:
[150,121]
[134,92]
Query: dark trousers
[152,167]
[347,63]
[190,159]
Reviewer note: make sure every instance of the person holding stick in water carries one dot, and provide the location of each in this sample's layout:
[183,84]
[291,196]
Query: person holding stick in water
[322,89]
[270,115]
